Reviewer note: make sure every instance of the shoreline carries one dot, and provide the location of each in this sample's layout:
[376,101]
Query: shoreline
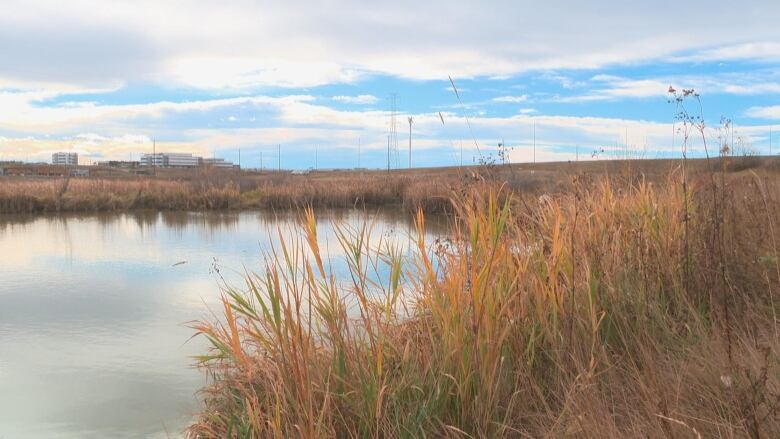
[429,189]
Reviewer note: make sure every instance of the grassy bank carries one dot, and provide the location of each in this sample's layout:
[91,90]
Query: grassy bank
[101,195]
[427,189]
[609,308]
[412,190]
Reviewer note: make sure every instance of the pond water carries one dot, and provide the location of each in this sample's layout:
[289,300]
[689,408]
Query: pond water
[94,341]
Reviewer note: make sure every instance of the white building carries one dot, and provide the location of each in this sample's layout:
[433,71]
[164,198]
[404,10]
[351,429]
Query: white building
[65,158]
[218,163]
[170,160]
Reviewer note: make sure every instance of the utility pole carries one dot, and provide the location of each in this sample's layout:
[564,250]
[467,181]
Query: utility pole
[625,148]
[411,119]
[394,129]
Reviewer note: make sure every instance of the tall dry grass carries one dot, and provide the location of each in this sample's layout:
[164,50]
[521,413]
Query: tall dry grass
[579,314]
[72,195]
[427,189]
[96,194]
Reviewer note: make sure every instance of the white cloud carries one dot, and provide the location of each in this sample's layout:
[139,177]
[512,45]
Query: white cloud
[511,99]
[359,100]
[299,122]
[526,154]
[19,112]
[771,112]
[760,50]
[88,145]
[611,87]
[752,89]
[241,48]
[246,44]
[242,73]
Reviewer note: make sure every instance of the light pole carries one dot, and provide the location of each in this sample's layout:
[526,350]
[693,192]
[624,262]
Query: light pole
[534,142]
[411,119]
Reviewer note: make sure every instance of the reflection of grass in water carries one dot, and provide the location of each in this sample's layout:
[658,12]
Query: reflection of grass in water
[567,315]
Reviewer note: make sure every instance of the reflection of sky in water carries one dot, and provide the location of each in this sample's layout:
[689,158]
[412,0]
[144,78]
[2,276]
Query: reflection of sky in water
[93,312]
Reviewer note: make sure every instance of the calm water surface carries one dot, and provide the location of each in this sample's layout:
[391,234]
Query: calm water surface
[93,314]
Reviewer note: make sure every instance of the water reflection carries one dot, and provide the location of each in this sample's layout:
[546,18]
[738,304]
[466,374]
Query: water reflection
[93,340]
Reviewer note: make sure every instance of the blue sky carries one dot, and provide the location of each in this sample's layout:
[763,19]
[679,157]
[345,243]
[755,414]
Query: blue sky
[107,78]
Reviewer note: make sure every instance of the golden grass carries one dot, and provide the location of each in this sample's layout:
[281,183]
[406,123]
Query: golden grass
[605,310]
[428,189]
[99,194]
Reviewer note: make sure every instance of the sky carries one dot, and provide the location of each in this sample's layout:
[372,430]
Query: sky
[314,83]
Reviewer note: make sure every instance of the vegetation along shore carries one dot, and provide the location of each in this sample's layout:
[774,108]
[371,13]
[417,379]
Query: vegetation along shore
[612,307]
[427,189]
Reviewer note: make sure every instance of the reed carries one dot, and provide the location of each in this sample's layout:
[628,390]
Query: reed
[98,194]
[427,189]
[580,313]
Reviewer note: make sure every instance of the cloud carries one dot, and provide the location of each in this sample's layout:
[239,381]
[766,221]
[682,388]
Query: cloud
[221,66]
[300,122]
[246,44]
[610,87]
[90,147]
[243,73]
[359,100]
[771,112]
[752,89]
[760,50]
[511,99]
[526,154]
[20,112]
